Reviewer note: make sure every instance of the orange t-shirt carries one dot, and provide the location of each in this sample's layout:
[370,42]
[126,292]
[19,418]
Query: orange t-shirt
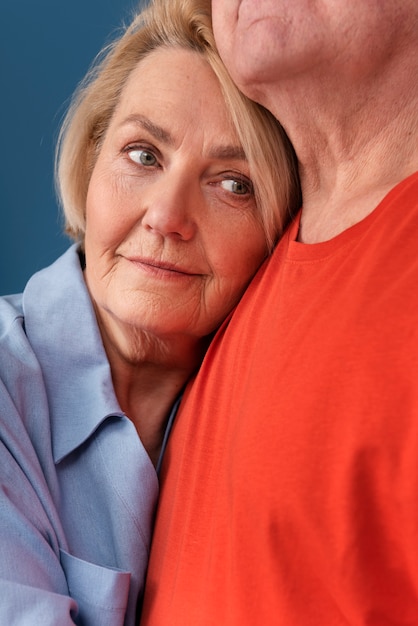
[290,487]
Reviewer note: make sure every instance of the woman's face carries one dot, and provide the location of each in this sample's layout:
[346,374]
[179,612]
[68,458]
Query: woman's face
[172,236]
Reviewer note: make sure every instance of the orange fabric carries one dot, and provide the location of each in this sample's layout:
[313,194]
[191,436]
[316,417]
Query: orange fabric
[290,487]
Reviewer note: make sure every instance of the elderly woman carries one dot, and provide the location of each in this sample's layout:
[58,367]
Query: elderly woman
[174,188]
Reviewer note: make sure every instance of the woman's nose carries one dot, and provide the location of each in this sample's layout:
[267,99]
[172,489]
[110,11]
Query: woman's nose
[171,209]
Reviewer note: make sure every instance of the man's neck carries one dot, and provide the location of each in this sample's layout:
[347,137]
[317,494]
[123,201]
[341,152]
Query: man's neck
[353,146]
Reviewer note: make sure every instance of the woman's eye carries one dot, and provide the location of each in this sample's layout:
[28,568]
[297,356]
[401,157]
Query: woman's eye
[142,156]
[239,187]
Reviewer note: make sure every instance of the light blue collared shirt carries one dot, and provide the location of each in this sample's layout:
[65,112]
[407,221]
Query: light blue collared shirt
[77,488]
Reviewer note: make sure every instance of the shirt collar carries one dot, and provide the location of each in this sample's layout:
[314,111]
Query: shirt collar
[61,326]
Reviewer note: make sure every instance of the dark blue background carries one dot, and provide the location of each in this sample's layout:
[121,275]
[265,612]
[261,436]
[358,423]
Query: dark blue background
[45,49]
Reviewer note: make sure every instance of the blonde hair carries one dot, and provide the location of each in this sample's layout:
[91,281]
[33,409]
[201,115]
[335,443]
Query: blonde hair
[181,24]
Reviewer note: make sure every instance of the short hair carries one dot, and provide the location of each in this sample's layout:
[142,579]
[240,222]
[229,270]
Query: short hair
[182,24]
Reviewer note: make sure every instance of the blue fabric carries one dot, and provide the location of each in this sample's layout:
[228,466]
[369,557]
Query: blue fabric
[77,488]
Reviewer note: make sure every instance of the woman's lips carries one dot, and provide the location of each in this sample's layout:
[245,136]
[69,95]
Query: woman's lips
[162,268]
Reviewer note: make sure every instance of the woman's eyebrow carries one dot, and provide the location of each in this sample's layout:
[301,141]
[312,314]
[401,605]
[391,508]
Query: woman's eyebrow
[223,152]
[231,152]
[154,129]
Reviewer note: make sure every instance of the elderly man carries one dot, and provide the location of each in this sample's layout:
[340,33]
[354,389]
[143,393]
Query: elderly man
[290,494]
